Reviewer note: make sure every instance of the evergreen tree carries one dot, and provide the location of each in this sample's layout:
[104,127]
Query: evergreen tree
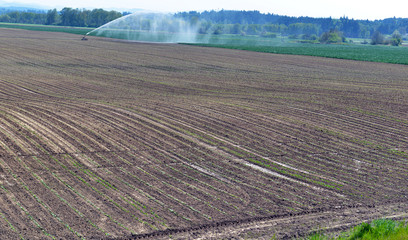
[52,17]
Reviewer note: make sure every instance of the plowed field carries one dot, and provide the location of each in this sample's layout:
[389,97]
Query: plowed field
[111,139]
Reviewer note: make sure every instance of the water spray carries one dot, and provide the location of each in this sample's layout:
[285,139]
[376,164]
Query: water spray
[149,27]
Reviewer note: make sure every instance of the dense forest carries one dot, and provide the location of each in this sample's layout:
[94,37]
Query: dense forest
[223,22]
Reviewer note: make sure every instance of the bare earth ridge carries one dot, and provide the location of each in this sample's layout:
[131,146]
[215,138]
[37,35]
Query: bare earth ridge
[106,139]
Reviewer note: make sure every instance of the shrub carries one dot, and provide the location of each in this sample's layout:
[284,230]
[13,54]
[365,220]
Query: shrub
[395,42]
[333,36]
[396,39]
[377,38]
[218,29]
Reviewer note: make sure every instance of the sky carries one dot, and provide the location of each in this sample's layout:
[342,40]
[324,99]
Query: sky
[357,9]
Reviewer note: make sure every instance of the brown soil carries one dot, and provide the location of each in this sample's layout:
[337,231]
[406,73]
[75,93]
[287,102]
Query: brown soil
[111,139]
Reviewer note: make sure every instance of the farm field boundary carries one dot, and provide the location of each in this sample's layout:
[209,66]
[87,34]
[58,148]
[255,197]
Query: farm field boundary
[110,139]
[385,54]
[295,225]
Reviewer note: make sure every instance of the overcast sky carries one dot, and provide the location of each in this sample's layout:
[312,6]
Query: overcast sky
[358,9]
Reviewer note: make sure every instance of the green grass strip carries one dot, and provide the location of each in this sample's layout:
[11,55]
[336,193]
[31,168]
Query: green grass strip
[376,230]
[385,54]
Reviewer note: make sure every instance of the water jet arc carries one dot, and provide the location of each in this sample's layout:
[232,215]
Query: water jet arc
[149,27]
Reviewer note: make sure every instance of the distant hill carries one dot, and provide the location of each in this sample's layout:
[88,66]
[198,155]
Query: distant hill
[7,9]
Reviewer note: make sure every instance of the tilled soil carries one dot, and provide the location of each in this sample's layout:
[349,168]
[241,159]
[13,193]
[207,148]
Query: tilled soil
[108,139]
[290,226]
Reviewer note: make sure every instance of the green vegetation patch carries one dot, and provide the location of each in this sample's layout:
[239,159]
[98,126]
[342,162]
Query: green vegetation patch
[386,54]
[378,229]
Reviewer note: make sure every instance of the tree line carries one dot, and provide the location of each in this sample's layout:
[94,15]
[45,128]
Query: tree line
[225,22]
[65,17]
[255,22]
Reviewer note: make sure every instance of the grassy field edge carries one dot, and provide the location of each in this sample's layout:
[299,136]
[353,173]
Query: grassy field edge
[377,229]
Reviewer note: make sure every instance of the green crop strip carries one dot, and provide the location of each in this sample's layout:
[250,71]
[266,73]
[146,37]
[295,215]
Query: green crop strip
[378,115]
[363,142]
[386,54]
[6,220]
